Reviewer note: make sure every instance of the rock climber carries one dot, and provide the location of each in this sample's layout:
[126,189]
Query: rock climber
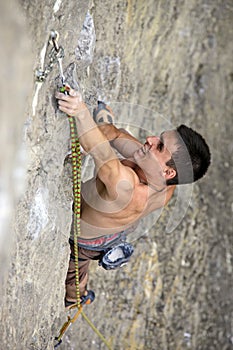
[124,190]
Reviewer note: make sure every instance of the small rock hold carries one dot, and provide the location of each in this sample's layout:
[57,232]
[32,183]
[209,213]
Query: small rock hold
[86,43]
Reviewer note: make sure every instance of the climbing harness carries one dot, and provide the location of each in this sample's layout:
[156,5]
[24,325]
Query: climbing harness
[76,167]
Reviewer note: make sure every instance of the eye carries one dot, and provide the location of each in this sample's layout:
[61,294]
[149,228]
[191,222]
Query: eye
[160,146]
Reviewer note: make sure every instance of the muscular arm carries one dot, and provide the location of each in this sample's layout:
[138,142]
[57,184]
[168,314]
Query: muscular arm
[110,170]
[121,140]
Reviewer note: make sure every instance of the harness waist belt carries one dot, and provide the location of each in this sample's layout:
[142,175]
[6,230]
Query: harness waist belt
[103,242]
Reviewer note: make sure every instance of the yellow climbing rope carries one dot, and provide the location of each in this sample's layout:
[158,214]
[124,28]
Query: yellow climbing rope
[76,167]
[56,54]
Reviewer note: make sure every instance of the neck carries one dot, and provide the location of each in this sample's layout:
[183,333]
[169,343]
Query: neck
[141,175]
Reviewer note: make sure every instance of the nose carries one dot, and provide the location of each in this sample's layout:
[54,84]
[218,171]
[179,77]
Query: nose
[153,140]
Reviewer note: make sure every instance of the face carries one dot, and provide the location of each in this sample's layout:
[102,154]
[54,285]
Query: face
[154,154]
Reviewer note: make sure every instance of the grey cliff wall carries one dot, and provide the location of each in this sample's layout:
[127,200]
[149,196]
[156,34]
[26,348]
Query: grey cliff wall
[159,64]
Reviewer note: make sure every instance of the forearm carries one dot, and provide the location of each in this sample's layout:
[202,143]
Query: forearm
[91,138]
[121,140]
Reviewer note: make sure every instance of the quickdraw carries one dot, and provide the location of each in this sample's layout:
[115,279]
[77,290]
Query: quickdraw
[56,54]
[76,167]
[66,326]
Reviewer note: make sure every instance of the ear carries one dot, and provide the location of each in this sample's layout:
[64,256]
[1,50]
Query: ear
[169,173]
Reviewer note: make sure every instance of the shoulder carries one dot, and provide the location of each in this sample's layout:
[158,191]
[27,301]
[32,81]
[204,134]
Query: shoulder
[119,180]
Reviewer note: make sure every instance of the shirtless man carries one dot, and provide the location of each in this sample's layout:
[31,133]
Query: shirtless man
[122,192]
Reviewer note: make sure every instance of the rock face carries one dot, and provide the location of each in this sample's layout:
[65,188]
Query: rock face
[15,74]
[159,64]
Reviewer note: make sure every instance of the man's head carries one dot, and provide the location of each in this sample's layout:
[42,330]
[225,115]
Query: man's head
[191,159]
[179,156]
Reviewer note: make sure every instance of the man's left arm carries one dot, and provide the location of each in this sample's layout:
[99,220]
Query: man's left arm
[120,139]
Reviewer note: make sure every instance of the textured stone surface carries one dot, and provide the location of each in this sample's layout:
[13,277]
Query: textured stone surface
[159,64]
[16,84]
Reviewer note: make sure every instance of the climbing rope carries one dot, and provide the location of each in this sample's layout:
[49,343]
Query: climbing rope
[76,169]
[76,166]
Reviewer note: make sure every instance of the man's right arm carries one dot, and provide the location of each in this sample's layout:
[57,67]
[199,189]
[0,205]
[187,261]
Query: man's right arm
[110,170]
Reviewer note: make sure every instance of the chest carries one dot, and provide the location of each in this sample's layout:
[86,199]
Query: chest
[127,203]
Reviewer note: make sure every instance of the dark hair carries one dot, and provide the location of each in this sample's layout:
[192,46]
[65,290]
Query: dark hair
[192,158]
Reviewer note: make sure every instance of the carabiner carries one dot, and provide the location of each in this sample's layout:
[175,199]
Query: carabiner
[54,36]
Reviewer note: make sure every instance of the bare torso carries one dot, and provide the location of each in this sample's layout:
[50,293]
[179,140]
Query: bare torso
[100,216]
